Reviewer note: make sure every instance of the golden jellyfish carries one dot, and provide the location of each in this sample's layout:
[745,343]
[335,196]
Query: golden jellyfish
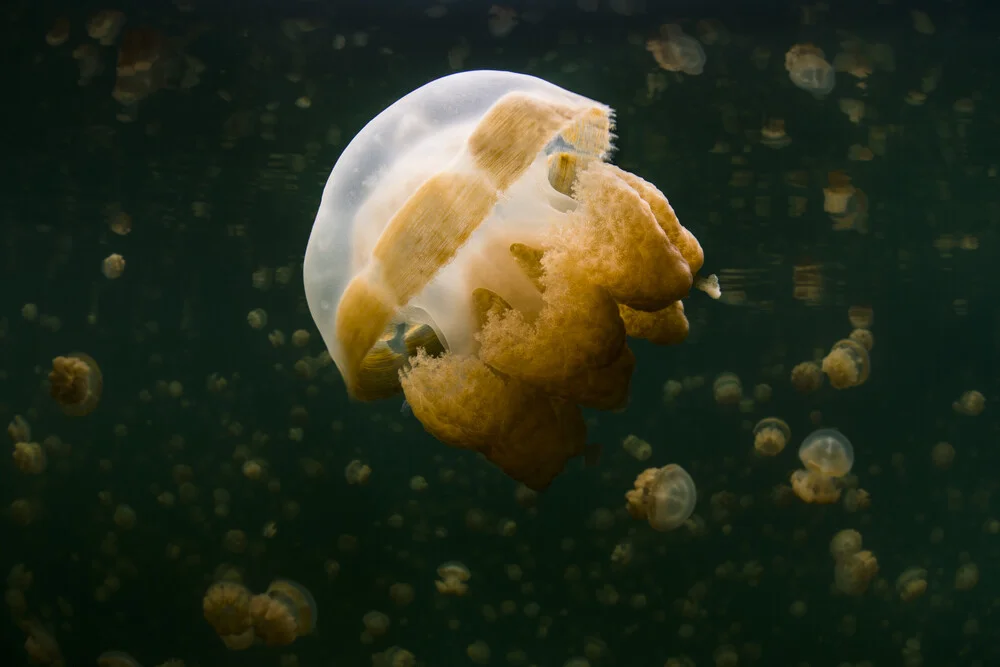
[845,543]
[966,577]
[460,254]
[676,52]
[75,383]
[376,623]
[727,389]
[864,338]
[942,454]
[807,377]
[663,496]
[828,452]
[808,69]
[770,436]
[637,448]
[226,607]
[911,584]
[105,25]
[813,487]
[773,134]
[145,59]
[116,659]
[847,365]
[283,613]
[453,577]
[41,645]
[970,404]
[29,457]
[58,33]
[853,573]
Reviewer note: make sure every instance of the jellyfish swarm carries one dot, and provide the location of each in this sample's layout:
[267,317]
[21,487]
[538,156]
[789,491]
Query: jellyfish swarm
[473,248]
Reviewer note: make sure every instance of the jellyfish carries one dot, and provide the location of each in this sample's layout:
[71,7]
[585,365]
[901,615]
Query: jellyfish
[285,612]
[226,607]
[847,365]
[808,69]
[453,577]
[116,659]
[75,383]
[460,254]
[663,496]
[676,52]
[828,452]
[770,436]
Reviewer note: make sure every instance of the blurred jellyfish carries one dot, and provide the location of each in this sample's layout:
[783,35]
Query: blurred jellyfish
[770,436]
[808,69]
[226,607]
[663,496]
[727,389]
[75,383]
[847,365]
[807,377]
[813,487]
[676,52]
[911,584]
[116,659]
[970,404]
[453,577]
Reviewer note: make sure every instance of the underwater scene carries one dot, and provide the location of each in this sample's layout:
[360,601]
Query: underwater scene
[528,333]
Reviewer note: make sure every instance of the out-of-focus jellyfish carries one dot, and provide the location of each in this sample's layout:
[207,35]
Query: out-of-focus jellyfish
[663,496]
[453,577]
[283,613]
[852,574]
[770,436]
[970,403]
[41,645]
[75,382]
[847,365]
[727,389]
[116,659]
[864,338]
[828,452]
[461,253]
[814,487]
[807,377]
[147,61]
[105,25]
[676,52]
[911,584]
[29,457]
[773,134]
[226,607]
[58,33]
[808,69]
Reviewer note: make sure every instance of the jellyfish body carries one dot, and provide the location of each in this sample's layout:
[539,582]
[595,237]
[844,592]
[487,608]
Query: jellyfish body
[76,383]
[665,497]
[461,253]
[847,365]
[299,600]
[676,51]
[808,69]
[828,452]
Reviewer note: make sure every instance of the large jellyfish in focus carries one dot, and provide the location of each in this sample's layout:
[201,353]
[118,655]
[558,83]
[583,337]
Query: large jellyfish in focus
[474,249]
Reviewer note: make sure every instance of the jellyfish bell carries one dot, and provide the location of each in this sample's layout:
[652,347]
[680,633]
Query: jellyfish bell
[76,383]
[828,452]
[460,254]
[300,600]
